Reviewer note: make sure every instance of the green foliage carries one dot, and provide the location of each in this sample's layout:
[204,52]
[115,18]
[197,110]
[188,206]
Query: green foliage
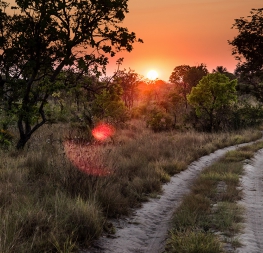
[42,52]
[158,120]
[109,105]
[193,242]
[129,81]
[185,78]
[6,138]
[214,94]
[247,115]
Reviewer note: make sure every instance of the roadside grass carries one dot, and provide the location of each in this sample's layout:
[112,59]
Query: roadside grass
[210,210]
[192,242]
[49,205]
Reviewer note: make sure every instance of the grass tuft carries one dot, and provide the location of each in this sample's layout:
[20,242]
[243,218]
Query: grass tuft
[192,242]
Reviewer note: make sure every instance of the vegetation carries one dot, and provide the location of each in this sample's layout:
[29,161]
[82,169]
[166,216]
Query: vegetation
[249,37]
[41,47]
[212,98]
[48,205]
[185,78]
[60,185]
[247,48]
[208,220]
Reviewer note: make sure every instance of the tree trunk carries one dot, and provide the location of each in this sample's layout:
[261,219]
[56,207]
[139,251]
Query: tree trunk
[22,142]
[25,131]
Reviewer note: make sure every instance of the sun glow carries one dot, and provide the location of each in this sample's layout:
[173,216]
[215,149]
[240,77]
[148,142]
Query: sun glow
[152,75]
[102,131]
[86,158]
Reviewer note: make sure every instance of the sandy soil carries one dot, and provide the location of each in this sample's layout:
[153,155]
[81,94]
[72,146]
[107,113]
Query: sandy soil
[252,183]
[146,231]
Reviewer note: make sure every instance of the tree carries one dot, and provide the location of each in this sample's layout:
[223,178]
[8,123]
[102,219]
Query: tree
[109,106]
[195,74]
[178,78]
[220,69]
[223,70]
[248,50]
[248,44]
[186,77]
[174,104]
[178,74]
[48,37]
[129,81]
[214,94]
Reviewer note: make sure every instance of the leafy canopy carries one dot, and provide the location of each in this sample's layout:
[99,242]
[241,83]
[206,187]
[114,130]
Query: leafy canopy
[213,94]
[44,43]
[248,44]
[185,78]
[248,50]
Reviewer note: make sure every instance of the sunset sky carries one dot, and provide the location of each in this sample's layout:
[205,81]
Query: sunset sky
[177,32]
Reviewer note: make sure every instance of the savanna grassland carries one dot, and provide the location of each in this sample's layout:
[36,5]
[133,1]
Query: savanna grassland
[59,186]
[49,205]
[210,218]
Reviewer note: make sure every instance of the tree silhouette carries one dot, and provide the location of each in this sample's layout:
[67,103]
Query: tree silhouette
[248,44]
[220,69]
[248,50]
[223,70]
[186,77]
[48,37]
[129,81]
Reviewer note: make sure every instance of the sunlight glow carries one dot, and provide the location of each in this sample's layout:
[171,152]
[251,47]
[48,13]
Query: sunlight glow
[86,158]
[102,131]
[152,75]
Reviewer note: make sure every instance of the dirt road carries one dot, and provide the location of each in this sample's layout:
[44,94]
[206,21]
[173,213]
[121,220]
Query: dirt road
[146,230]
[252,184]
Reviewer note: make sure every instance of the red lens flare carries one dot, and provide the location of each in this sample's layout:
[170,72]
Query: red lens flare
[86,158]
[103,131]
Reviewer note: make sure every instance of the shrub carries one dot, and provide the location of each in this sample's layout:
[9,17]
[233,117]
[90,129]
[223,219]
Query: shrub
[159,120]
[246,115]
[5,138]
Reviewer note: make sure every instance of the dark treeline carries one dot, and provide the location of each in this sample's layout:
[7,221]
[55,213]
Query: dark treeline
[47,77]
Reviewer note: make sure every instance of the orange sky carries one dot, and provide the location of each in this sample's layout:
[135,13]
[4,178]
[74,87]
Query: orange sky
[177,32]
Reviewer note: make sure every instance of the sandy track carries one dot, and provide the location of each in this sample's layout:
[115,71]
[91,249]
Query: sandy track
[146,231]
[252,184]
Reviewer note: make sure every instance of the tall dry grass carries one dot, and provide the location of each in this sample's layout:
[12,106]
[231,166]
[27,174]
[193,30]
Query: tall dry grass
[49,205]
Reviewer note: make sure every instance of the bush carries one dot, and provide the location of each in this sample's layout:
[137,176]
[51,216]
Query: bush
[247,116]
[5,138]
[159,121]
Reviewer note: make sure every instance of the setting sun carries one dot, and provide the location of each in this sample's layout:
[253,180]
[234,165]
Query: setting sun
[152,75]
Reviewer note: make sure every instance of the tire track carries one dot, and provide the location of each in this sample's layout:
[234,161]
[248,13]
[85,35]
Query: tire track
[146,230]
[252,184]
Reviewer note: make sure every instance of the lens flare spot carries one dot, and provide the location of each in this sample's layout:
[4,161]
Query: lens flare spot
[86,158]
[103,131]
